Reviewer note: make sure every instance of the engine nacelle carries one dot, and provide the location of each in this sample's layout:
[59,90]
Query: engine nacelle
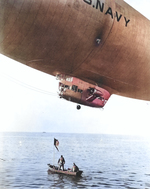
[81,92]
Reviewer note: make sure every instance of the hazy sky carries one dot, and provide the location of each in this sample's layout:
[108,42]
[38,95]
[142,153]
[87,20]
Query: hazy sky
[29,102]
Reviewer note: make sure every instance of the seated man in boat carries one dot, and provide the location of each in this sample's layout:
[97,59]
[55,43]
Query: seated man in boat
[61,162]
[75,168]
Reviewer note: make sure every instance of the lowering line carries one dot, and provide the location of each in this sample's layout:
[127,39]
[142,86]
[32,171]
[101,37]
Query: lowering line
[12,79]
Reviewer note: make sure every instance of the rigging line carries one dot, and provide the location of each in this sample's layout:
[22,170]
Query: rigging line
[28,86]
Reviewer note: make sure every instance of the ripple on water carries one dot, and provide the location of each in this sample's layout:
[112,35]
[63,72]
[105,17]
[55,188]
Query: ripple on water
[147,185]
[147,175]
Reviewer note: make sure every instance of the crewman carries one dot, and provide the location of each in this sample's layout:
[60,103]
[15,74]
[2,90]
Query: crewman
[61,162]
[75,168]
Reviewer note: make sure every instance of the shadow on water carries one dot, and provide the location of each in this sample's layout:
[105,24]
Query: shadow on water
[60,180]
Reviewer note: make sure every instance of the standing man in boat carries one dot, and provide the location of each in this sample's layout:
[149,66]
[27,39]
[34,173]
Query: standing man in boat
[61,162]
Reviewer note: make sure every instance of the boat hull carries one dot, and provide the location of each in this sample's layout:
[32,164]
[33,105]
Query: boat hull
[54,169]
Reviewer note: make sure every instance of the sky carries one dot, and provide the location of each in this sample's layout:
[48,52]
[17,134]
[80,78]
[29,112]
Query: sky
[29,103]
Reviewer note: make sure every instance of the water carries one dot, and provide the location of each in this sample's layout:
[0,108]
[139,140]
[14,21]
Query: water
[107,161]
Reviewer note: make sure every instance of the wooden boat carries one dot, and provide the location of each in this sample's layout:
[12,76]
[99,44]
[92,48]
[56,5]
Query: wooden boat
[55,169]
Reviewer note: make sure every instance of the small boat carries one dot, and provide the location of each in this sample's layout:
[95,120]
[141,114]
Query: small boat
[55,169]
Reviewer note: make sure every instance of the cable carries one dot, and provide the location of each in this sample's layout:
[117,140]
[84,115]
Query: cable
[12,79]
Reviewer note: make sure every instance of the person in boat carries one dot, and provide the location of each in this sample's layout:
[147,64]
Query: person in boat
[75,168]
[61,162]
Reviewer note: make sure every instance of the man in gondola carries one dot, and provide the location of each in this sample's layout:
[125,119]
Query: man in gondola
[61,162]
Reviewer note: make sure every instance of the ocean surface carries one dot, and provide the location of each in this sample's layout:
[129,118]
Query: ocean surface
[107,161]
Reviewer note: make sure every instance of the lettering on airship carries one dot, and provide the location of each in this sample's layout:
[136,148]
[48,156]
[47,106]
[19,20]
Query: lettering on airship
[97,4]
